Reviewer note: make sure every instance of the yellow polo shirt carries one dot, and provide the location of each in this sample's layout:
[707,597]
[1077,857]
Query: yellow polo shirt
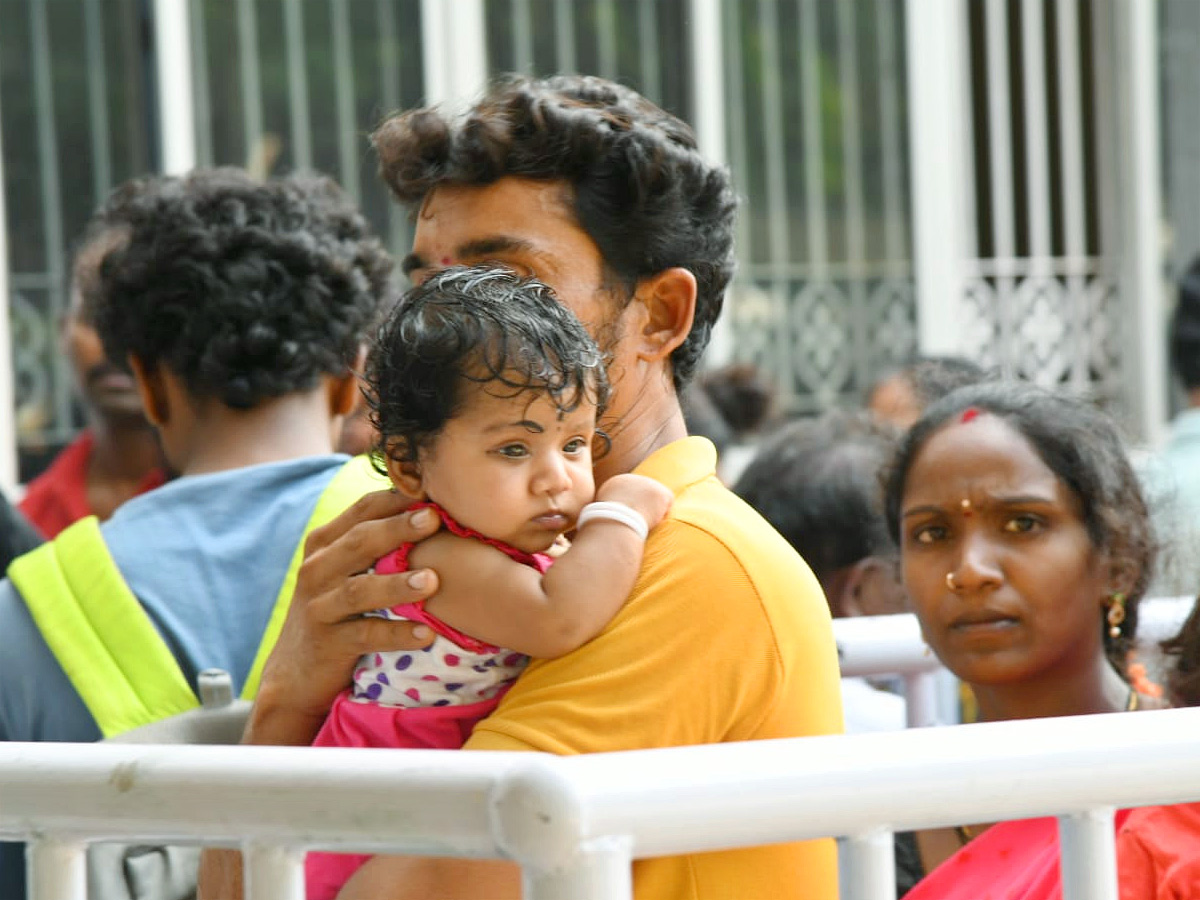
[726,637]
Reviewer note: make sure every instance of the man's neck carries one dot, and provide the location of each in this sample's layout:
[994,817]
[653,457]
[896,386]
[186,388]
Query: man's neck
[290,427]
[644,429]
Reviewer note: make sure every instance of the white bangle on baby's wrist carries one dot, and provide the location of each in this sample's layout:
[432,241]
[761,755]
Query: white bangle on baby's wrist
[614,511]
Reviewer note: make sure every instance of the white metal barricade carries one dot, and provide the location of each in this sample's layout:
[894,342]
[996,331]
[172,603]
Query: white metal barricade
[575,824]
[872,646]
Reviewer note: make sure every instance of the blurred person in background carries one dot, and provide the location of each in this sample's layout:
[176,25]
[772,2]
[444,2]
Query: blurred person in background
[1025,548]
[1171,475]
[746,402]
[901,396]
[703,418]
[117,456]
[17,534]
[242,309]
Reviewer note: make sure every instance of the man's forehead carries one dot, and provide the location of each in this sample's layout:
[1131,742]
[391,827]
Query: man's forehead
[503,195]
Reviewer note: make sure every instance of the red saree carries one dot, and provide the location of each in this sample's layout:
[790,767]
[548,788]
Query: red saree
[1010,861]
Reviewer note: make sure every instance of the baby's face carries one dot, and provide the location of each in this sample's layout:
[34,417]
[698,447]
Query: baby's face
[513,468]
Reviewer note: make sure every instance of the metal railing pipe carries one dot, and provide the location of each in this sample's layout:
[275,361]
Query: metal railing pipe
[273,872]
[426,801]
[797,789]
[869,867]
[57,869]
[1089,857]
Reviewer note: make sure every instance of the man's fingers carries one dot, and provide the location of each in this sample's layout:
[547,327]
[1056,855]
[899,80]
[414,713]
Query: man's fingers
[357,548]
[366,593]
[375,635]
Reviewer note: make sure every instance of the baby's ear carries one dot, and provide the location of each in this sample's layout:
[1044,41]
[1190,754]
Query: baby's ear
[404,473]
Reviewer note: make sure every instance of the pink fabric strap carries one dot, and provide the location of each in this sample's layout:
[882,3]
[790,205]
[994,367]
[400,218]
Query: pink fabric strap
[397,561]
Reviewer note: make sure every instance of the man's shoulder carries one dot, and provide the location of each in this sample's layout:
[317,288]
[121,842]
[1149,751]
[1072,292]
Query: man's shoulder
[221,500]
[715,534]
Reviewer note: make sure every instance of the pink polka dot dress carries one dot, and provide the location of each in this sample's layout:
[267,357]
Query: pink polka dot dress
[416,699]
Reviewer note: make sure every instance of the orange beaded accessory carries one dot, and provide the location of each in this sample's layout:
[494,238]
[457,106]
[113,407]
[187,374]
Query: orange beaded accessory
[1140,681]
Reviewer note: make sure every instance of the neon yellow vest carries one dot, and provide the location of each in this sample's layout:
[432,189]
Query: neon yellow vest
[105,641]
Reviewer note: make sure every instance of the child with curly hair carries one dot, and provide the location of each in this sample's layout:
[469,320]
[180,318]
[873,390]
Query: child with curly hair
[485,391]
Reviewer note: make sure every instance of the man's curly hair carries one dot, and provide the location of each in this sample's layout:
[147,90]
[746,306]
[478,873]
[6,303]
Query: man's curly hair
[640,188]
[245,290]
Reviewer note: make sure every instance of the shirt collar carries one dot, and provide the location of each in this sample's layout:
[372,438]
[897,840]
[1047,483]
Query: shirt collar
[681,463]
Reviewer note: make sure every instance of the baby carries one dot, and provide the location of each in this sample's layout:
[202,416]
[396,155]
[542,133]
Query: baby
[485,391]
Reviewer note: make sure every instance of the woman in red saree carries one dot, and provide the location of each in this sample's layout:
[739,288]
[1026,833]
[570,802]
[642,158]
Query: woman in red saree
[1025,547]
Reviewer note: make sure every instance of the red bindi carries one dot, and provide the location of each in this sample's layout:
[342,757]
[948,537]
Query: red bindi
[969,415]
[445,260]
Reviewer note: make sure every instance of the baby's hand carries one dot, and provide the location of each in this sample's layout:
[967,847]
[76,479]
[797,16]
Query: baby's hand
[648,497]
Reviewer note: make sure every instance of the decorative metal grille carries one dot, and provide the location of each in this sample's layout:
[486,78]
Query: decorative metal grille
[1040,296]
[71,77]
[824,301]
[816,102]
[1179,36]
[280,84]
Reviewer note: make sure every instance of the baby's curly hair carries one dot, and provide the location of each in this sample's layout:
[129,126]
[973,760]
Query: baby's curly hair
[474,325]
[245,290]
[639,186]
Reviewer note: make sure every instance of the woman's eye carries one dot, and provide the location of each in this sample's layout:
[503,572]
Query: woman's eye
[513,451]
[928,534]
[1021,524]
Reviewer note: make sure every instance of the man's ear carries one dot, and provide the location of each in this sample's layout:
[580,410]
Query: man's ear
[344,391]
[405,475]
[873,588]
[668,300]
[152,391]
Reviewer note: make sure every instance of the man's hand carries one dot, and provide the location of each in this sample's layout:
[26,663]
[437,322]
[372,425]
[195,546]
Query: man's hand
[325,631]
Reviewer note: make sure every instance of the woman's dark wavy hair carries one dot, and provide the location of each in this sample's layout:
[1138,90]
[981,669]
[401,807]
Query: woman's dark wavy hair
[245,290]
[641,189]
[1183,653]
[474,325]
[1184,337]
[1079,443]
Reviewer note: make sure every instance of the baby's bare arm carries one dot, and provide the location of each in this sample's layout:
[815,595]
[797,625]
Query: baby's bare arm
[491,597]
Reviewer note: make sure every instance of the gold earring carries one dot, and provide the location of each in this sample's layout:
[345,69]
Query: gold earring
[1116,615]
